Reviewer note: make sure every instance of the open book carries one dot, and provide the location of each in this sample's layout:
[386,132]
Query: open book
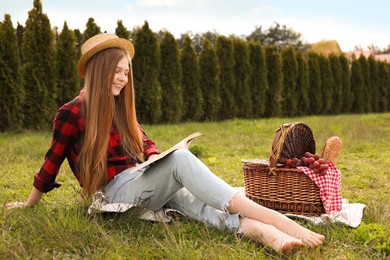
[183,144]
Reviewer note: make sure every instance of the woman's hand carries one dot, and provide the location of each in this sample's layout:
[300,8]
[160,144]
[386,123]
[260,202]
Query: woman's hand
[35,197]
[14,205]
[152,156]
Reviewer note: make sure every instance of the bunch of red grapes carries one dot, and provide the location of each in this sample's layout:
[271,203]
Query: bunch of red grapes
[313,161]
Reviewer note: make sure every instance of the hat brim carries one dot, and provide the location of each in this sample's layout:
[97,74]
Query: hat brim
[121,43]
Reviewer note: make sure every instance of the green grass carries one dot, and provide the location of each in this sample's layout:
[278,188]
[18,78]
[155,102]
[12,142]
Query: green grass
[60,227]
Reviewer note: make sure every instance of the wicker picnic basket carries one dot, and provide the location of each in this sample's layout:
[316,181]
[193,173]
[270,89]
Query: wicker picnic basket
[287,190]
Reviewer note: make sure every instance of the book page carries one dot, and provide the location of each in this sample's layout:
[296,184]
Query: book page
[183,144]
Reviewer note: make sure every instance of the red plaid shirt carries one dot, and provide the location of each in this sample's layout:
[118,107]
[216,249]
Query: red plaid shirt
[68,129]
[330,186]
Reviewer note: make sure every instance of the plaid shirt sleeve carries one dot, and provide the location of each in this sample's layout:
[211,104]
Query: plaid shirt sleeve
[149,145]
[65,128]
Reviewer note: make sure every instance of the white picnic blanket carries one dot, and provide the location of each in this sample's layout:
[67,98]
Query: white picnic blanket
[351,214]
[100,204]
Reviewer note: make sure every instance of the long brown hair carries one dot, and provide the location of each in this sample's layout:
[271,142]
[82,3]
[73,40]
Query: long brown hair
[102,109]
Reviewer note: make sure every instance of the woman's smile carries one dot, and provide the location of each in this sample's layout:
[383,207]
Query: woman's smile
[121,76]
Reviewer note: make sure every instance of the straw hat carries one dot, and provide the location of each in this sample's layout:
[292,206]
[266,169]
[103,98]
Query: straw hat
[98,43]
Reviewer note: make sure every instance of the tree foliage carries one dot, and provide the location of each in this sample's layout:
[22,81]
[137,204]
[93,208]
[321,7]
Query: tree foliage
[314,91]
[383,87]
[290,77]
[258,78]
[11,84]
[197,77]
[366,89]
[68,84]
[327,84]
[225,56]
[192,94]
[170,79]
[242,75]
[121,31]
[275,82]
[357,87]
[278,35]
[303,106]
[146,71]
[347,95]
[91,30]
[19,33]
[337,97]
[373,81]
[209,81]
[39,69]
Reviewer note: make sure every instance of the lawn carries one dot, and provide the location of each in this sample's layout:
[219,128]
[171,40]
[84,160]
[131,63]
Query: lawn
[60,226]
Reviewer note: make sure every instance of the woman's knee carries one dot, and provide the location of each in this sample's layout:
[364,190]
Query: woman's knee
[182,161]
[182,155]
[178,160]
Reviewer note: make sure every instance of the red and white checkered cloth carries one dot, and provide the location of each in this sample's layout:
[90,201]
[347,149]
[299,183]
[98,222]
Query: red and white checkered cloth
[330,186]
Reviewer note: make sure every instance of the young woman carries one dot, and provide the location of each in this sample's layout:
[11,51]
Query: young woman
[99,135]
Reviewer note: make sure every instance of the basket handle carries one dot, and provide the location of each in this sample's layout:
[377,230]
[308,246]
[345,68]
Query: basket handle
[271,171]
[279,136]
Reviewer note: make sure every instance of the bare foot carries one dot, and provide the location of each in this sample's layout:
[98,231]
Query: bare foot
[310,238]
[279,241]
[270,236]
[286,244]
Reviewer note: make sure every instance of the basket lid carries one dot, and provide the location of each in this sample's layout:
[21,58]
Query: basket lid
[291,140]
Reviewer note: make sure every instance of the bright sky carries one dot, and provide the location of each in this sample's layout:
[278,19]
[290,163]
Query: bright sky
[350,22]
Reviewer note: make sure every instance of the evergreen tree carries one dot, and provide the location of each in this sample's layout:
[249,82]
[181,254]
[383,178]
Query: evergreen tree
[357,87]
[337,98]
[68,82]
[290,77]
[192,94]
[91,30]
[383,87]
[209,84]
[170,79]
[258,78]
[121,31]
[78,36]
[227,82]
[275,82]
[242,75]
[19,33]
[146,65]
[11,85]
[386,89]
[39,70]
[366,90]
[373,70]
[314,92]
[303,105]
[347,95]
[326,93]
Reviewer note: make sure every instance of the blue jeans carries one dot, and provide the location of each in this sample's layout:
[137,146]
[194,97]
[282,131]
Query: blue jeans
[179,181]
